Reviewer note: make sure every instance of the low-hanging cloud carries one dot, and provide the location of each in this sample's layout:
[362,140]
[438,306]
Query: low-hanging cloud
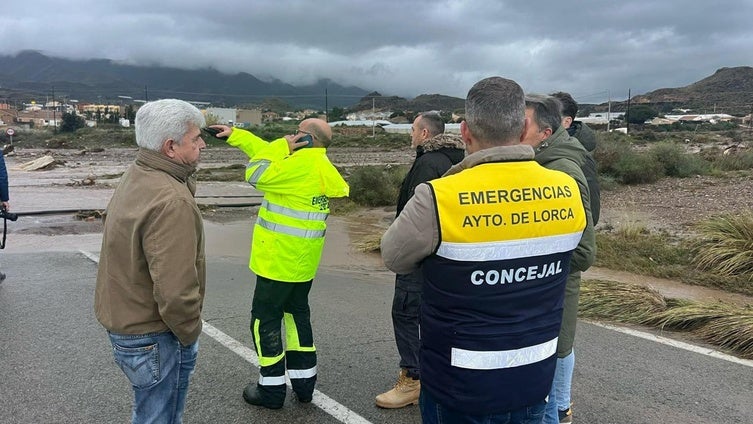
[593,49]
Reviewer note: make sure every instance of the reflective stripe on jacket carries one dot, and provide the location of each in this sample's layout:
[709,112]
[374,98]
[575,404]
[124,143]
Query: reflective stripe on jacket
[289,233]
[493,292]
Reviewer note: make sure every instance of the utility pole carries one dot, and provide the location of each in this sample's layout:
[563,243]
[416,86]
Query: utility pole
[627,115]
[609,109]
[326,106]
[54,115]
[373,118]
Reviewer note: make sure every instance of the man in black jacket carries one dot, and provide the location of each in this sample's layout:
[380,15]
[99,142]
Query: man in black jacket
[436,152]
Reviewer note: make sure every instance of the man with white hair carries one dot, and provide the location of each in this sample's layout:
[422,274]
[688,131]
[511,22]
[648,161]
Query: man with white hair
[151,277]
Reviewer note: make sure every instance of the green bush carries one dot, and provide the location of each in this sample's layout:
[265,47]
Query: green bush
[636,168]
[376,185]
[609,149]
[733,161]
[677,163]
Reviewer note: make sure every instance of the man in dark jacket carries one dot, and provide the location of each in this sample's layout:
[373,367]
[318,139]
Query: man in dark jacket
[587,138]
[555,149]
[436,152]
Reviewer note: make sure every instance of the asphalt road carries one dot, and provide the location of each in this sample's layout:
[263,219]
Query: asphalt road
[56,365]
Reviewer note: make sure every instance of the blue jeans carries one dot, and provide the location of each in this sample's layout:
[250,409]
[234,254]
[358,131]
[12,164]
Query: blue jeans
[434,413]
[559,396]
[159,369]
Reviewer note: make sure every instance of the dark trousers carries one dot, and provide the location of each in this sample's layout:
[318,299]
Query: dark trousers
[406,308]
[274,303]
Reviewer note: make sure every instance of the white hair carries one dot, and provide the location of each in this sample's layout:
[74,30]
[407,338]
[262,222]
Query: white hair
[165,119]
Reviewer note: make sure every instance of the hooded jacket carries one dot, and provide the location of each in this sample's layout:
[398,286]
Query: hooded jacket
[587,138]
[564,153]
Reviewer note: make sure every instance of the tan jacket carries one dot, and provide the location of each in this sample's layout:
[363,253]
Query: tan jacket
[152,272]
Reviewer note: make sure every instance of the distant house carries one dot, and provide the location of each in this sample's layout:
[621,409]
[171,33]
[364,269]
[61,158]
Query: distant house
[39,118]
[248,117]
[235,117]
[707,117]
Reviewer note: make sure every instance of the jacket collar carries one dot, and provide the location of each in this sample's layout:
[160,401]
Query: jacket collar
[440,141]
[518,152]
[156,160]
[559,135]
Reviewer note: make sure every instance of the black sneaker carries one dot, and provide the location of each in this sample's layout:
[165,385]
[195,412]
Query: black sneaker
[2,277]
[566,416]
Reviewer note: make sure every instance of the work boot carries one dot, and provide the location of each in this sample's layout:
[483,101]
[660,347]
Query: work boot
[254,396]
[404,393]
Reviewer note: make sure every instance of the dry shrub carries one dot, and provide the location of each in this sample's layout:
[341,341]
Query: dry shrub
[734,332]
[720,324]
[725,245]
[610,300]
[690,315]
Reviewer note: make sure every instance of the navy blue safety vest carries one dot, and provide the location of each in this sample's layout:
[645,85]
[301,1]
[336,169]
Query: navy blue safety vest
[494,289]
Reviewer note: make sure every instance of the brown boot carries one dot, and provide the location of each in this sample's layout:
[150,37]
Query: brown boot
[404,393]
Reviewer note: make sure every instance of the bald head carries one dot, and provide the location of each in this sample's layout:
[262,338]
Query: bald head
[319,129]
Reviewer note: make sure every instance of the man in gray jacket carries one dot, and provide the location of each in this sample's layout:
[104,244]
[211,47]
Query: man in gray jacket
[556,150]
[151,277]
[495,262]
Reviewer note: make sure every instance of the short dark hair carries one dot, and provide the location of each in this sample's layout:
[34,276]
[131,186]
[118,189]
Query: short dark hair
[569,106]
[546,111]
[495,111]
[432,122]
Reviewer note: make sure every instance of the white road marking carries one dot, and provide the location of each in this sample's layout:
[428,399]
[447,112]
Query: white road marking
[671,342]
[324,402]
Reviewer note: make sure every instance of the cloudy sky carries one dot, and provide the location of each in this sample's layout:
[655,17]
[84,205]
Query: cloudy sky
[595,49]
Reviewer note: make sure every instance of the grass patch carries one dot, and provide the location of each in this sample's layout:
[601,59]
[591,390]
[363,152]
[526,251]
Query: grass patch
[717,323]
[635,249]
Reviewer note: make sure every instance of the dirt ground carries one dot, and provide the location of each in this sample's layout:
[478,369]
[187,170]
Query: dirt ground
[671,204]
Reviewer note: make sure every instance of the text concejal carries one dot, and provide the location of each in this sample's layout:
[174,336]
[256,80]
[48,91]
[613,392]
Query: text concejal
[515,275]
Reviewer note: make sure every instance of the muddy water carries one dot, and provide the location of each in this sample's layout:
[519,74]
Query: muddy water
[668,288]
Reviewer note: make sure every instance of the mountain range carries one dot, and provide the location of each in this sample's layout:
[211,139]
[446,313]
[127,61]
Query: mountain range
[728,90]
[30,73]
[98,80]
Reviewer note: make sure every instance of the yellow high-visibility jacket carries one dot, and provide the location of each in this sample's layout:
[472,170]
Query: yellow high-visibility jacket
[289,233]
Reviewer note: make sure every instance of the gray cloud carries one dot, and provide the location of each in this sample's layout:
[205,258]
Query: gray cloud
[593,49]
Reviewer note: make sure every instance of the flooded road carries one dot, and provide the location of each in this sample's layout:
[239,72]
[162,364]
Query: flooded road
[228,229]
